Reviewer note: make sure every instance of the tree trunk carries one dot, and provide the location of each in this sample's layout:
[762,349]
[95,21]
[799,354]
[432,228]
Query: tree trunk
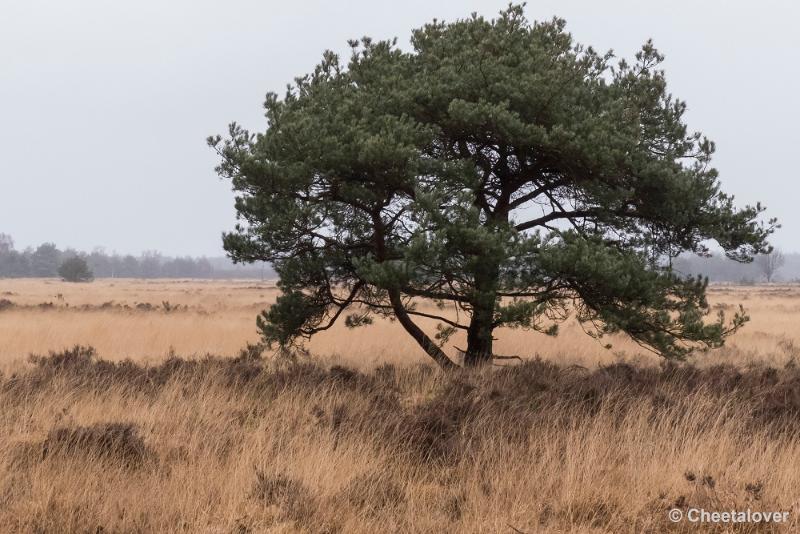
[481,325]
[479,337]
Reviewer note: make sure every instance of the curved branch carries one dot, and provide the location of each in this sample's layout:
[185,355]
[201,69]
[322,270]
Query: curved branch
[416,332]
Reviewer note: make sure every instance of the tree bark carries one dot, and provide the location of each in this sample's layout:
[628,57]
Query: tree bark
[479,338]
[479,333]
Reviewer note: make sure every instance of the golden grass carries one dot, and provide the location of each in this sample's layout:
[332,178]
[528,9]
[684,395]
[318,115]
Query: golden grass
[238,445]
[219,318]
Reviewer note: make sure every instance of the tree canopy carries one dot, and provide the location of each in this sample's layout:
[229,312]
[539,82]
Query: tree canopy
[497,170]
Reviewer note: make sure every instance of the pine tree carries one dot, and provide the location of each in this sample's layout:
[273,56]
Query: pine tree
[498,170]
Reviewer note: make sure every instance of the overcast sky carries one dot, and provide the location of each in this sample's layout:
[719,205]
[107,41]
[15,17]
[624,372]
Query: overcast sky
[105,106]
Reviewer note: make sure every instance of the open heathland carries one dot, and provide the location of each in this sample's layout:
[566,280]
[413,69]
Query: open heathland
[368,436]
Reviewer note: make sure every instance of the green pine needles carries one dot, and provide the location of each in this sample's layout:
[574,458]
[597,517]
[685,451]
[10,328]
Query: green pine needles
[497,170]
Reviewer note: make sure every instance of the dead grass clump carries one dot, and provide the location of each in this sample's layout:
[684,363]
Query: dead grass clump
[291,498]
[23,455]
[6,304]
[782,402]
[434,430]
[61,515]
[454,503]
[593,513]
[118,443]
[311,377]
[372,493]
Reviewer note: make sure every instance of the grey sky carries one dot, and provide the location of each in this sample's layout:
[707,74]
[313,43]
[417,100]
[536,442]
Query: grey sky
[104,106]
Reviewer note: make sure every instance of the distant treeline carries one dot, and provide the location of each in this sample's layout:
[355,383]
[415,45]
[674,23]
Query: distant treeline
[718,268]
[44,261]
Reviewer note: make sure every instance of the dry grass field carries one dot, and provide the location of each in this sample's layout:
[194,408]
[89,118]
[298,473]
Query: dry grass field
[127,319]
[367,437]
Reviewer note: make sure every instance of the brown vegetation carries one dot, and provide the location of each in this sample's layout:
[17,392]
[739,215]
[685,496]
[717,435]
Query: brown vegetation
[247,445]
[364,438]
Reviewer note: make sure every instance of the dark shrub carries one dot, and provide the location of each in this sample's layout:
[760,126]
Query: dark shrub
[75,269]
[115,442]
[77,357]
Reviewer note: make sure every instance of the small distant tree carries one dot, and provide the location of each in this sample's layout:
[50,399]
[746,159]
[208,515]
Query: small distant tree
[75,269]
[770,264]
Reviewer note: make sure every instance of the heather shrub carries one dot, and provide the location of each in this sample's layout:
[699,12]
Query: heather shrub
[118,443]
